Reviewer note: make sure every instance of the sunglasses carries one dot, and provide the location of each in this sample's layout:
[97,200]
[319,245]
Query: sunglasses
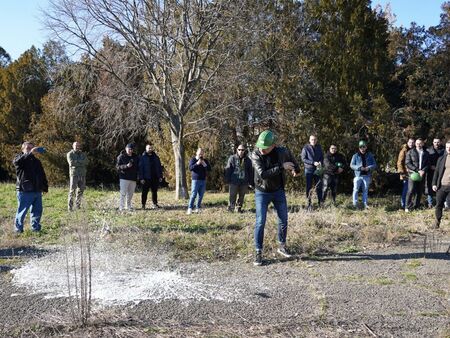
[241,149]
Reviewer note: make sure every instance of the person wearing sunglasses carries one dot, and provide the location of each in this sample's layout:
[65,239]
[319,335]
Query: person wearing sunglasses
[363,164]
[239,175]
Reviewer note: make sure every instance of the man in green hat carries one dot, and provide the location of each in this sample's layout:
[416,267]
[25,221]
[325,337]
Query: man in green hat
[363,164]
[270,163]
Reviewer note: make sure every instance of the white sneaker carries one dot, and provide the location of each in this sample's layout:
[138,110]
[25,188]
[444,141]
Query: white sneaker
[197,211]
[406,210]
[189,211]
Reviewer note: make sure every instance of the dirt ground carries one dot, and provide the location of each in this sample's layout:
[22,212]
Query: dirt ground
[401,291]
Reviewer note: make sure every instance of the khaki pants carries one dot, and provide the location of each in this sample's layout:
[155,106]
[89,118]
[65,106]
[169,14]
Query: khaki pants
[77,185]
[127,188]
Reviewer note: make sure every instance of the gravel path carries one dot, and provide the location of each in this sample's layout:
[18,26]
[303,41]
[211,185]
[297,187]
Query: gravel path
[393,292]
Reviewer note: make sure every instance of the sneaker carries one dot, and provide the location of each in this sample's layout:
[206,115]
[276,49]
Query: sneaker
[156,206]
[239,210]
[407,210]
[143,206]
[189,211]
[258,258]
[283,251]
[366,206]
[430,206]
[197,211]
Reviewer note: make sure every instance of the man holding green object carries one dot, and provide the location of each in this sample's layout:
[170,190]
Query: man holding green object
[417,165]
[334,164]
[77,171]
[270,163]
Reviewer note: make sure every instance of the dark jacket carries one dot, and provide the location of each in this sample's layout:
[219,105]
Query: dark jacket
[239,171]
[434,154]
[30,174]
[265,170]
[198,171]
[412,160]
[126,173]
[440,168]
[329,162]
[310,155]
[149,167]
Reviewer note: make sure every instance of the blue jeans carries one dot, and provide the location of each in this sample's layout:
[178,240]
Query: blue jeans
[262,201]
[198,187]
[361,182]
[26,200]
[404,191]
[310,177]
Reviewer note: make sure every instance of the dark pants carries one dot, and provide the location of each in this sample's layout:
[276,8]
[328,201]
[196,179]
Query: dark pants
[430,192]
[153,185]
[310,177]
[235,191]
[441,195]
[416,189]
[330,182]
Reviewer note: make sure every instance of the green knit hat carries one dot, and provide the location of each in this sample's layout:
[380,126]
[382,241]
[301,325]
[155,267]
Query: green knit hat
[265,140]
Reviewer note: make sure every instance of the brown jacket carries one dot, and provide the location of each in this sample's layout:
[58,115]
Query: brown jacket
[401,166]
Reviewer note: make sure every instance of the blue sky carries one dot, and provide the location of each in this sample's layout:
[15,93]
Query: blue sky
[20,25]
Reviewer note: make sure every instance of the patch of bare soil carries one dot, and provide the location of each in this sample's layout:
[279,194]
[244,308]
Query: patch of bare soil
[401,291]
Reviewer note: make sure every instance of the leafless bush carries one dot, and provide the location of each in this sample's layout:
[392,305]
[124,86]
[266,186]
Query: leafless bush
[79,270]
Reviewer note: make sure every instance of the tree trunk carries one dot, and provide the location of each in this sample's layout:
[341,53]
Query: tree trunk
[176,132]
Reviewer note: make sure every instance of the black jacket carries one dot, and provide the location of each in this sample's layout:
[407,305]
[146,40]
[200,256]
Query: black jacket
[329,163]
[435,154]
[30,174]
[150,167]
[265,170]
[440,168]
[126,173]
[412,160]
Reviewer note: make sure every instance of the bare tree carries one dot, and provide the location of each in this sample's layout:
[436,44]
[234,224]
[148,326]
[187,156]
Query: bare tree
[174,45]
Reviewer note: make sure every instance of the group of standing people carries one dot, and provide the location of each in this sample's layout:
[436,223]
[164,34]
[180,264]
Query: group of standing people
[424,171]
[264,170]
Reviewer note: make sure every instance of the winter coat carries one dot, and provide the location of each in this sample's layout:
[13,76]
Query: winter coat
[356,163]
[239,171]
[440,169]
[30,174]
[401,165]
[412,161]
[265,170]
[150,167]
[77,163]
[310,155]
[127,173]
[329,163]
[198,171]
[434,155]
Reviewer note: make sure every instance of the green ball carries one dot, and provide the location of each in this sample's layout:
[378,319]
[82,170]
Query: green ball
[318,172]
[415,176]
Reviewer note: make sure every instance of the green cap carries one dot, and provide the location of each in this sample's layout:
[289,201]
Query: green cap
[265,139]
[362,144]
